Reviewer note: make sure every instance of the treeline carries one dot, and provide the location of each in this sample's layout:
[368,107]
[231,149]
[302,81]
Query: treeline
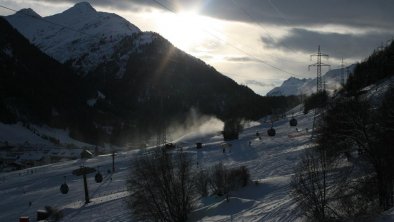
[376,67]
[316,100]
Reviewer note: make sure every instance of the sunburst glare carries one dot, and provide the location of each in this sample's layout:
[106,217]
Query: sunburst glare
[188,30]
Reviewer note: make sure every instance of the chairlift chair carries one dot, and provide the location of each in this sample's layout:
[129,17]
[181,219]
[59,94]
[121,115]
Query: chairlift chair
[98,178]
[64,187]
[293,122]
[271,132]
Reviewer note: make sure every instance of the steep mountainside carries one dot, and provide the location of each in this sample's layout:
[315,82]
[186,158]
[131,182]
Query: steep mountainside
[375,68]
[33,86]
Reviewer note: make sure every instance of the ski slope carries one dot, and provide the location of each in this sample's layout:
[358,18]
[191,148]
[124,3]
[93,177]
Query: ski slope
[270,161]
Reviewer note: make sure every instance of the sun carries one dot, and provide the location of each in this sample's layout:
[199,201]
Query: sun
[187,30]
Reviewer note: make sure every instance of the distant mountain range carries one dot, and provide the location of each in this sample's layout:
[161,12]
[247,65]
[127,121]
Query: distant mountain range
[110,81]
[296,86]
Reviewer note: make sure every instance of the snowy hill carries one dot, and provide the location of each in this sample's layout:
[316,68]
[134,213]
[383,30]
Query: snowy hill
[296,86]
[79,35]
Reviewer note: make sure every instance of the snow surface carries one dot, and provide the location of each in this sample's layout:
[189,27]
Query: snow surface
[79,34]
[376,92]
[270,161]
[17,134]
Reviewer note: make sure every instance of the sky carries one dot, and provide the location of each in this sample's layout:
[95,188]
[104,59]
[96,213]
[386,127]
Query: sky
[258,43]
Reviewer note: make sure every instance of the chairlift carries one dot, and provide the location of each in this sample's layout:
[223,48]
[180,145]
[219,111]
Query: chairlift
[98,178]
[271,132]
[64,187]
[293,122]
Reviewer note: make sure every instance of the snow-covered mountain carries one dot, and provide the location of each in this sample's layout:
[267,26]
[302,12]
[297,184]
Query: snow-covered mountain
[80,35]
[296,86]
[291,86]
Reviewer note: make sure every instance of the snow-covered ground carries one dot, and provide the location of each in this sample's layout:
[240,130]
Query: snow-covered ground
[270,161]
[17,134]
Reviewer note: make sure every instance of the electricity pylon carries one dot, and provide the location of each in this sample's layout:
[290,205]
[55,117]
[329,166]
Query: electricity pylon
[318,65]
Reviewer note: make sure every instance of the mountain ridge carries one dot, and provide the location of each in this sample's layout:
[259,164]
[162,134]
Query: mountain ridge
[296,86]
[79,35]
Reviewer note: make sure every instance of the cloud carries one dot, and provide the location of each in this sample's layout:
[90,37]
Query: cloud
[258,83]
[335,44]
[240,59]
[354,13]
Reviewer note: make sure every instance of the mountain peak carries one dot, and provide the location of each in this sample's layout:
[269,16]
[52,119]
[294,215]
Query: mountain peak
[290,86]
[294,80]
[28,12]
[81,8]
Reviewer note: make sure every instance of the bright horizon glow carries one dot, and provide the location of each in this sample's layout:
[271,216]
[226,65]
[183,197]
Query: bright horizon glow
[187,29]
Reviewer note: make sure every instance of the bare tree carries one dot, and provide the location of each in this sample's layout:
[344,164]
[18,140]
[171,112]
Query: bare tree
[161,186]
[315,183]
[224,180]
[218,179]
[325,190]
[201,182]
[353,124]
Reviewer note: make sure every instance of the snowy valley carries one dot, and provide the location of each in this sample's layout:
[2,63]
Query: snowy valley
[100,121]
[270,160]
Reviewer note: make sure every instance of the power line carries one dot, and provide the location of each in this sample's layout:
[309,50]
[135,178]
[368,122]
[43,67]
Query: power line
[259,24]
[252,18]
[278,12]
[229,44]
